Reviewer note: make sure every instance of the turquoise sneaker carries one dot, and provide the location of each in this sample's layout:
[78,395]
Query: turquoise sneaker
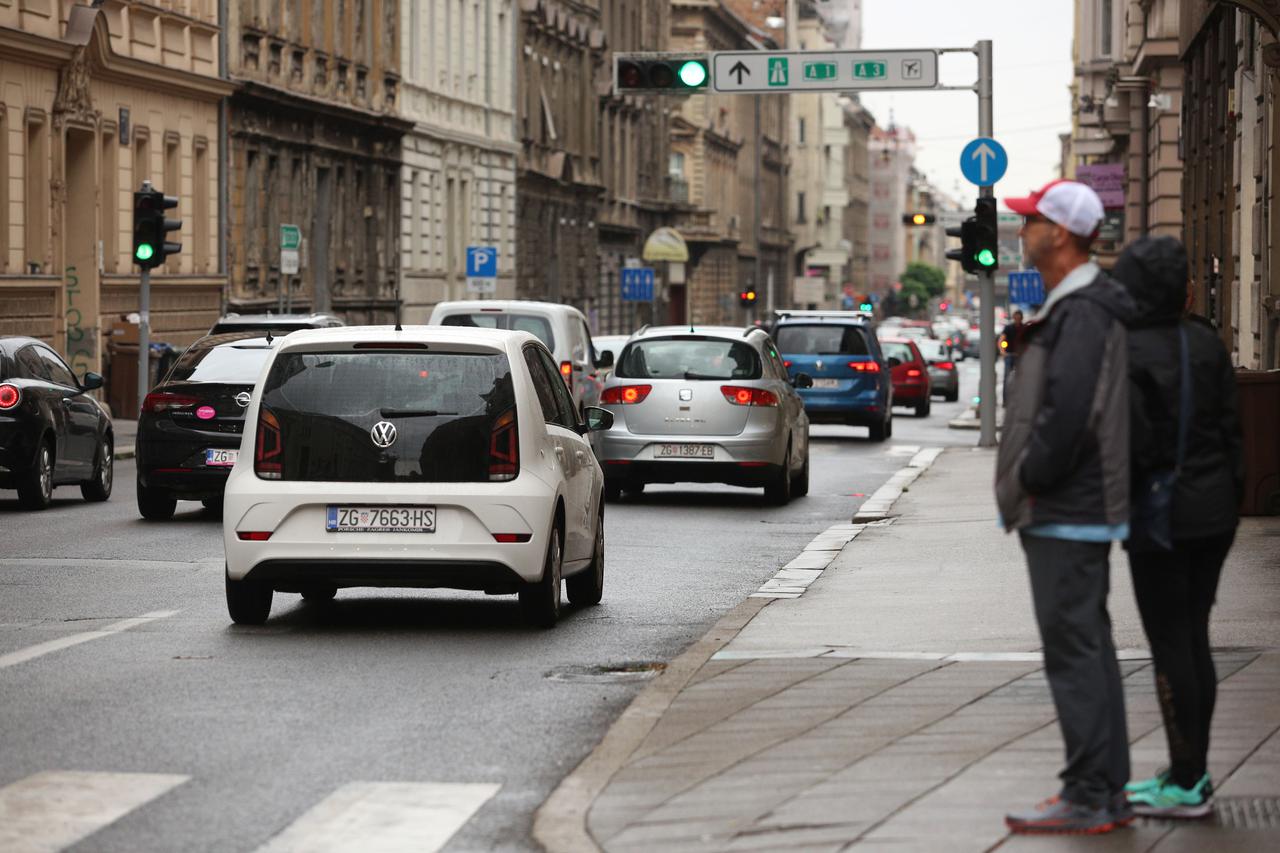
[1172,800]
[1143,786]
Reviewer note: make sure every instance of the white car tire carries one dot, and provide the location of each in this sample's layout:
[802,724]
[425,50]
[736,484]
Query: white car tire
[540,600]
[586,588]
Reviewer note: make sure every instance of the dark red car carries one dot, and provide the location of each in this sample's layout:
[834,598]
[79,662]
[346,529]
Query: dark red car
[910,372]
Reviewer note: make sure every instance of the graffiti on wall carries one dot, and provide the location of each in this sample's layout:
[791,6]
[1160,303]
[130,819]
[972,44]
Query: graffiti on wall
[80,338]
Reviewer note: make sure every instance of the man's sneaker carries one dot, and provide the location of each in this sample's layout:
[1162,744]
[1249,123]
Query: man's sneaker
[1056,816]
[1142,786]
[1121,809]
[1172,800]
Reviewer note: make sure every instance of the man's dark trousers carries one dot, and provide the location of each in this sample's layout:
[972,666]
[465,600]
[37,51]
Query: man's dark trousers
[1069,585]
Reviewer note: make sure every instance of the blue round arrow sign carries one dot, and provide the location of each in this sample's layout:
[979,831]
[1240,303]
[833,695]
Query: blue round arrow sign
[983,161]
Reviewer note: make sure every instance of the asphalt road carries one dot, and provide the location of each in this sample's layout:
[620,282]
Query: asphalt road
[253,727]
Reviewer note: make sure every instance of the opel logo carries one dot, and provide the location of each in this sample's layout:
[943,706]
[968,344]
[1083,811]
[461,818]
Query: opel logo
[384,434]
[686,394]
[242,399]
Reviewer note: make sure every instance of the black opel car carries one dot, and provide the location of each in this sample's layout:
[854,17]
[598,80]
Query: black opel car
[190,425]
[52,431]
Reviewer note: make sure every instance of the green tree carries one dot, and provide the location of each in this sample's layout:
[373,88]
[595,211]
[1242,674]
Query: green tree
[931,280]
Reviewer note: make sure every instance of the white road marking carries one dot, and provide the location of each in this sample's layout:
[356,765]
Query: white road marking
[51,811]
[383,817]
[39,649]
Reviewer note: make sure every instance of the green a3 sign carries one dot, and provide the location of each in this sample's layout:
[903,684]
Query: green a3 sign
[870,70]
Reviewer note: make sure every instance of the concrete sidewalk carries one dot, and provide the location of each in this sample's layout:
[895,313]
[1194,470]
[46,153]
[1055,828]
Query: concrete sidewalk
[126,432]
[899,703]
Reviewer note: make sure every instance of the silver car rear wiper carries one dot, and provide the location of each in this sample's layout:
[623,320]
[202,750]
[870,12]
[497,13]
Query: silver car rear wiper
[689,374]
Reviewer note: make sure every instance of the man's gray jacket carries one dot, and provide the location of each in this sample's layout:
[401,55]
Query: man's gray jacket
[1064,450]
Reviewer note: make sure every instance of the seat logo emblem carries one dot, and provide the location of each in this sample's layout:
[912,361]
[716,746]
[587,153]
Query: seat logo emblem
[242,399]
[384,434]
[686,394]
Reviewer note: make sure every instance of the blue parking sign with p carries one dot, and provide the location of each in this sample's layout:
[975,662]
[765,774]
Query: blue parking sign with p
[482,262]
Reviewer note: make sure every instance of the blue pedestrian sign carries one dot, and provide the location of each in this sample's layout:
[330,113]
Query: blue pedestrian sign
[482,262]
[983,161]
[1026,288]
[637,284]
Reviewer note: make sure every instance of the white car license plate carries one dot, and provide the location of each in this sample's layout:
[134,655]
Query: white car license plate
[216,457]
[381,519]
[686,451]
[826,383]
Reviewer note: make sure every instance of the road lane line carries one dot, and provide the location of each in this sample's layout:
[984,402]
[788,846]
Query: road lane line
[53,810]
[383,817]
[39,649]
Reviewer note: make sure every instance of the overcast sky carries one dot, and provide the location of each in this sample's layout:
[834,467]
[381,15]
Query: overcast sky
[1032,58]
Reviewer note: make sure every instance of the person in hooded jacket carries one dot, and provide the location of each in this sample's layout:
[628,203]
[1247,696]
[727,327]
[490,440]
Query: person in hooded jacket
[1175,589]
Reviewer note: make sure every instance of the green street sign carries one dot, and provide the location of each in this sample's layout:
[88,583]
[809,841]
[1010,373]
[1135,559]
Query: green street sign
[778,74]
[870,70]
[290,237]
[820,70]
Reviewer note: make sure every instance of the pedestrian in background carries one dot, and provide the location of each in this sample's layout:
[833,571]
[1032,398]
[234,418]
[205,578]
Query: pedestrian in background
[1188,478]
[1062,482]
[1011,345]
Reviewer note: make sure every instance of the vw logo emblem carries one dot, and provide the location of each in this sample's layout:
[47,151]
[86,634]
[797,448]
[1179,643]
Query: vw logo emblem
[242,399]
[384,434]
[818,364]
[686,394]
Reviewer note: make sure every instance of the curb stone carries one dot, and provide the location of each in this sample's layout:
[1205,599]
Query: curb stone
[125,452]
[560,823]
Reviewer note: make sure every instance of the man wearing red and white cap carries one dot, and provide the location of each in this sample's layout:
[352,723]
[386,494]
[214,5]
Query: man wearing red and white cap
[1062,482]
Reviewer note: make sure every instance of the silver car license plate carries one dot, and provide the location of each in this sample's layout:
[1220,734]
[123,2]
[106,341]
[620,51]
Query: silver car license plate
[686,451]
[380,519]
[219,457]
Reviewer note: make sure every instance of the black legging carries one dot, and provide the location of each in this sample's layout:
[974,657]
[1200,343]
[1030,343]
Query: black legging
[1175,591]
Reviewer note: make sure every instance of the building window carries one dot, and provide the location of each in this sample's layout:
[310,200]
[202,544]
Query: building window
[109,205]
[141,157]
[200,214]
[4,188]
[173,185]
[800,131]
[675,165]
[800,207]
[36,228]
[1104,27]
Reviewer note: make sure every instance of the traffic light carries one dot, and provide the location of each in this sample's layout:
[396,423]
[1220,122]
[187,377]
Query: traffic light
[150,227]
[979,245]
[918,218]
[674,74]
[865,303]
[747,298]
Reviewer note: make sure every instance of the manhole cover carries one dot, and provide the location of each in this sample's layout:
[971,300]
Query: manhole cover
[609,673]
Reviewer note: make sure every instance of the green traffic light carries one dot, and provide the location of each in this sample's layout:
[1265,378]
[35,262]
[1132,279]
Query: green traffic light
[986,258]
[693,74]
[144,252]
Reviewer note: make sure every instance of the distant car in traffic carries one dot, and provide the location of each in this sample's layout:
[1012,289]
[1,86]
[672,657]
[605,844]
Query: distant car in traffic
[192,422]
[52,431]
[839,351]
[427,457]
[609,347]
[944,378]
[911,383]
[561,328]
[276,324]
[705,405]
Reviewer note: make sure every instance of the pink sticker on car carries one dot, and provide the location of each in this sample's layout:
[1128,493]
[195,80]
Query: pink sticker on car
[205,413]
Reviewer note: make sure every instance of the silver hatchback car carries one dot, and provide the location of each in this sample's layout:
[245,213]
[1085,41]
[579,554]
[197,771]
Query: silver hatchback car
[711,405]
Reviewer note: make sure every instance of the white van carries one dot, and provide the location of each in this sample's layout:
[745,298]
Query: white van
[562,328]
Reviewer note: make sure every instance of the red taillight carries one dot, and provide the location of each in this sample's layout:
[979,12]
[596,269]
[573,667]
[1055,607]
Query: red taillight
[253,535]
[159,402]
[946,365]
[913,372]
[865,366]
[268,452]
[504,447]
[786,364]
[512,537]
[740,396]
[625,395]
[10,396]
[566,370]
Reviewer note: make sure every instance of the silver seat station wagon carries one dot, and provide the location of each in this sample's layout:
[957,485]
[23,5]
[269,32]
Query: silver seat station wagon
[704,405]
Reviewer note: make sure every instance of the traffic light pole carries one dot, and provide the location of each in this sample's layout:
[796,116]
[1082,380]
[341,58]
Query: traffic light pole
[986,279]
[144,337]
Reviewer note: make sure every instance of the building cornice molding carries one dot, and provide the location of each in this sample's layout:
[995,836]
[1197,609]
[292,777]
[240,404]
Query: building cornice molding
[426,130]
[253,90]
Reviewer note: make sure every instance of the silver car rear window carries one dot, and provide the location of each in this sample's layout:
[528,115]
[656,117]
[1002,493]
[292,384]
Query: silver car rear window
[689,357]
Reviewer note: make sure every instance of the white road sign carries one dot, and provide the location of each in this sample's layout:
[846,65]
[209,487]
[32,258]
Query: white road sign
[289,261]
[815,71]
[482,285]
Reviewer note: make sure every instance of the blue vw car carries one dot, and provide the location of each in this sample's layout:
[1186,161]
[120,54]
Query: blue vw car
[851,379]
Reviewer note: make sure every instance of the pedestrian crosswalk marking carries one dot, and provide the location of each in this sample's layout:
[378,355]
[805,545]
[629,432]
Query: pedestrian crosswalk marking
[383,817]
[50,811]
[40,649]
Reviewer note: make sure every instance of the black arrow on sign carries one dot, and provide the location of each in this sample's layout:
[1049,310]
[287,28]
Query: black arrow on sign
[741,70]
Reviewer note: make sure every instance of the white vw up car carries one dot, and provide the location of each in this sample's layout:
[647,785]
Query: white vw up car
[428,457]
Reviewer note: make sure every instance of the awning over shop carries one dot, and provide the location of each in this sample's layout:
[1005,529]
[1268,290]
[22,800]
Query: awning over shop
[666,244]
